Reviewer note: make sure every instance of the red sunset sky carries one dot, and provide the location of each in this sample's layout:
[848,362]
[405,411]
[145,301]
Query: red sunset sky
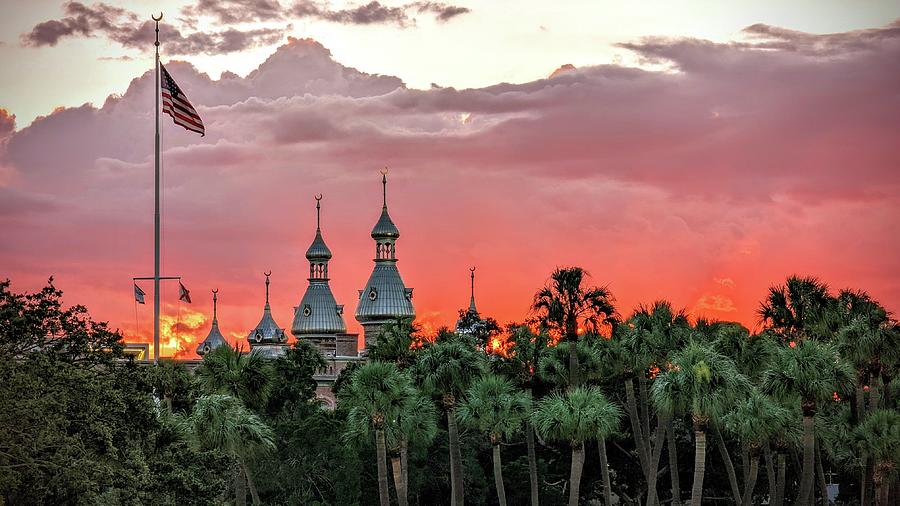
[701,171]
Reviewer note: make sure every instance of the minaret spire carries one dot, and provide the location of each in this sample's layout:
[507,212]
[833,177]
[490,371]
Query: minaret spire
[215,303]
[318,212]
[384,172]
[472,296]
[267,287]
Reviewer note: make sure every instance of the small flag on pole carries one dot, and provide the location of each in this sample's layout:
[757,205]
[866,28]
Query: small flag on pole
[138,294]
[183,293]
[176,104]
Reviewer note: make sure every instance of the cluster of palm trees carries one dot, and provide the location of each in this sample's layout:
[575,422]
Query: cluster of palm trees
[813,387]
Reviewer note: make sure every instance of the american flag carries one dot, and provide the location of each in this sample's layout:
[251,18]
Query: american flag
[176,105]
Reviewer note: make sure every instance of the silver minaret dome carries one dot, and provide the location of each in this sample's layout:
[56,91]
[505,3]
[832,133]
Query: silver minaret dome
[384,297]
[267,337]
[318,317]
[215,338]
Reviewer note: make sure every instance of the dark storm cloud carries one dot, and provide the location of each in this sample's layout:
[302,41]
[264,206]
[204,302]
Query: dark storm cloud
[375,12]
[444,12]
[125,27]
[235,11]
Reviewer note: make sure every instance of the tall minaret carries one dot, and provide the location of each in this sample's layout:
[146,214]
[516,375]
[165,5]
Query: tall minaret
[319,318]
[472,296]
[267,338]
[215,338]
[385,297]
[465,321]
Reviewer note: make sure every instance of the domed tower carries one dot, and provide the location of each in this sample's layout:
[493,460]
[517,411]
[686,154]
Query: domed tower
[267,338]
[215,338]
[384,297]
[319,318]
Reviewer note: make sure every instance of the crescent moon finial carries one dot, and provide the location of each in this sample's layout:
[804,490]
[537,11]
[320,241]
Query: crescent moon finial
[157,19]
[384,171]
[268,273]
[215,291]
[472,269]
[319,197]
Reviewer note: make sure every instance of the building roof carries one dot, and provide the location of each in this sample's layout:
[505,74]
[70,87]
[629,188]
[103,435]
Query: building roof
[213,340]
[266,331]
[385,295]
[318,312]
[318,250]
[385,227]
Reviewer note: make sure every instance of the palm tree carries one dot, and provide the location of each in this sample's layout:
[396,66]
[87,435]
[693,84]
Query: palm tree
[580,414]
[246,376]
[879,435]
[395,343]
[374,398]
[553,366]
[448,368]
[813,371]
[756,421]
[222,423]
[416,424]
[796,310]
[493,406]
[702,383]
[567,307]
[647,339]
[522,364]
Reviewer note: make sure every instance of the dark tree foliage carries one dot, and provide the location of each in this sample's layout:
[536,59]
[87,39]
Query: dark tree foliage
[79,424]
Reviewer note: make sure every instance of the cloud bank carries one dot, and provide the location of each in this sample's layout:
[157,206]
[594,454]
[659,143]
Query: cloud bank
[704,184]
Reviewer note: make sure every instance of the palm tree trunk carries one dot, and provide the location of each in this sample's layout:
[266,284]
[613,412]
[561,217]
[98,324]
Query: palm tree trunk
[604,472]
[631,406]
[699,466]
[399,487]
[381,455]
[240,486]
[404,466]
[726,459]
[456,472]
[745,463]
[652,477]
[645,411]
[498,475]
[673,465]
[575,473]
[750,484]
[860,405]
[779,483]
[532,462]
[573,361]
[770,471]
[882,485]
[820,475]
[809,462]
[254,494]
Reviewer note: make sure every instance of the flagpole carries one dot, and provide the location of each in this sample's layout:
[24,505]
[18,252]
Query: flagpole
[156,208]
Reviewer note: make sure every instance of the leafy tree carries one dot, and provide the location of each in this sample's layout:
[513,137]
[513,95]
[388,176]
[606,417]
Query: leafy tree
[494,407]
[173,383]
[221,422]
[812,371]
[448,368]
[567,307]
[483,330]
[797,310]
[702,383]
[579,415]
[396,343]
[374,398]
[245,376]
[292,382]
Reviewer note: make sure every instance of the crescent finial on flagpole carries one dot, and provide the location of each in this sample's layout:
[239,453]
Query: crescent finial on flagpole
[157,19]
